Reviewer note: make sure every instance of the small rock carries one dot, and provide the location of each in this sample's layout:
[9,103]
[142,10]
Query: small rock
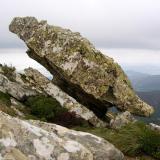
[121,120]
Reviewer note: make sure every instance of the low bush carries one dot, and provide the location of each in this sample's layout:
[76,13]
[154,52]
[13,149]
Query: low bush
[49,109]
[137,138]
[5,99]
[5,103]
[9,72]
[45,108]
[151,142]
[133,139]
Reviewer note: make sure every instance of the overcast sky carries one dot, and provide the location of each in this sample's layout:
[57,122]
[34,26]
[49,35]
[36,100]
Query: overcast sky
[132,26]
[107,23]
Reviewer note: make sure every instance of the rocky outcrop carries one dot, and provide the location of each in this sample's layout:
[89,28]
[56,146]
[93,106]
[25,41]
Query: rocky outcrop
[80,70]
[121,120]
[34,78]
[15,89]
[35,140]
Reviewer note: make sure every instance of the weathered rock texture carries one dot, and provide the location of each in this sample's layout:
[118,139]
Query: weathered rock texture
[35,79]
[34,140]
[121,120]
[79,69]
[15,89]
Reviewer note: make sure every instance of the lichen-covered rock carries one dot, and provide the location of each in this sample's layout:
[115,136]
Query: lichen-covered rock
[42,84]
[35,140]
[79,69]
[121,120]
[15,89]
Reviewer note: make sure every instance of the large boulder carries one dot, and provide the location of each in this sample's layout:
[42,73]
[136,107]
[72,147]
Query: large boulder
[92,78]
[35,140]
[34,78]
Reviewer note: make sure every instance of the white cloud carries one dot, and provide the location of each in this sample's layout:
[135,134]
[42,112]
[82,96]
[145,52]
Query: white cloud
[134,56]
[19,59]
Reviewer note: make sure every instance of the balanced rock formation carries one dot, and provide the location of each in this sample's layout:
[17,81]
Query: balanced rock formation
[34,78]
[35,140]
[80,70]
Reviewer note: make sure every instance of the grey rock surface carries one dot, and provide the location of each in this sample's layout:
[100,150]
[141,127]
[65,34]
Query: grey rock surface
[15,89]
[121,120]
[35,140]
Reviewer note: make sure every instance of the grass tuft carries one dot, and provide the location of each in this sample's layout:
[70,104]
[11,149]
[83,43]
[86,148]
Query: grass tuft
[133,139]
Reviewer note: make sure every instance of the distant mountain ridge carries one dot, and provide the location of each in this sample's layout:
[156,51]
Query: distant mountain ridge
[144,82]
[148,88]
[152,98]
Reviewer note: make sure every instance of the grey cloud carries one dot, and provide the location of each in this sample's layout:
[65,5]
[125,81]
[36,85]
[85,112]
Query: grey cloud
[107,23]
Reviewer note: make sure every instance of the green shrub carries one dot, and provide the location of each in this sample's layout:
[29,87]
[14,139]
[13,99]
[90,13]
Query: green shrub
[5,99]
[137,138]
[49,109]
[127,139]
[9,72]
[133,139]
[5,104]
[23,77]
[45,108]
[151,142]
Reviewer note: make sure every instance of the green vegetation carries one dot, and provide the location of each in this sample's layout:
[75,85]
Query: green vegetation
[45,108]
[9,72]
[133,139]
[5,104]
[5,99]
[49,109]
[23,77]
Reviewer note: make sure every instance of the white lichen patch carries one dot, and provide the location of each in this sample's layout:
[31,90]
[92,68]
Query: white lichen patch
[63,156]
[39,131]
[8,141]
[47,43]
[43,147]
[56,49]
[71,63]
[69,66]
[97,139]
[73,146]
[33,129]
[89,63]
